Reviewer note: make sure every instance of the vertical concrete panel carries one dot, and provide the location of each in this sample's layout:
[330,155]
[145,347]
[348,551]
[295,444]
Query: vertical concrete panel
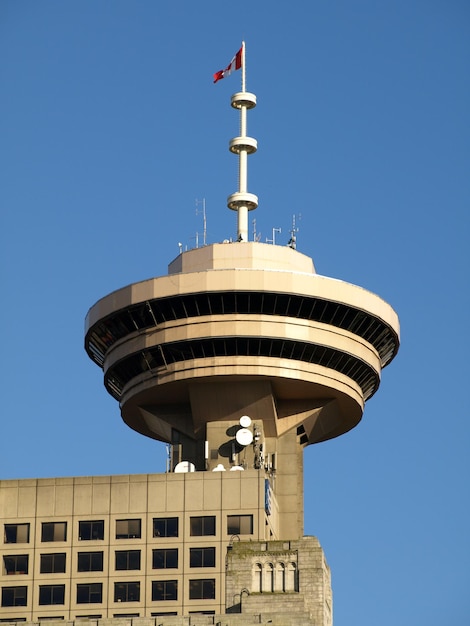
[9,501]
[27,501]
[175,490]
[212,489]
[100,501]
[194,492]
[119,496]
[82,499]
[249,490]
[45,499]
[138,496]
[63,500]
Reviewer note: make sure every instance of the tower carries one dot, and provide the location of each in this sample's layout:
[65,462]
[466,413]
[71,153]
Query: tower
[237,359]
[242,356]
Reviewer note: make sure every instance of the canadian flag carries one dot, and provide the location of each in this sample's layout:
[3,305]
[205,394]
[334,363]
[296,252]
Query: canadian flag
[235,64]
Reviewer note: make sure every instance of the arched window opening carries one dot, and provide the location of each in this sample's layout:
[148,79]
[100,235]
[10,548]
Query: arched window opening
[257,582]
[269,577]
[280,577]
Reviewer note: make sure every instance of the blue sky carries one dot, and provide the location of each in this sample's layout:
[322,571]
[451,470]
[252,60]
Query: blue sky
[111,129]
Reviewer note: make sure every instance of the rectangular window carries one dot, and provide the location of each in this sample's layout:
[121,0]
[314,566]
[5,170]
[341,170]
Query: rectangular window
[90,562]
[202,589]
[54,531]
[127,592]
[89,593]
[239,524]
[51,594]
[52,563]
[16,533]
[12,619]
[91,530]
[14,596]
[202,526]
[128,529]
[164,590]
[202,557]
[16,564]
[166,558]
[165,526]
[127,559]
[49,618]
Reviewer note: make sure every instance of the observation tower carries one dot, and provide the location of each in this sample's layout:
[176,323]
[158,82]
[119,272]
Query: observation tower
[243,355]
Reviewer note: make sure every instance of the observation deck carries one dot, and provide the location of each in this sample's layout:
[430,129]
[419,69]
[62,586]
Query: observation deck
[242,328]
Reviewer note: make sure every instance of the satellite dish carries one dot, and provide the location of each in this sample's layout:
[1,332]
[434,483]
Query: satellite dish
[183,467]
[237,468]
[244,437]
[219,468]
[245,421]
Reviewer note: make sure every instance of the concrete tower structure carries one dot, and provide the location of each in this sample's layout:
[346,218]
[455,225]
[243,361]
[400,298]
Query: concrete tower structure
[237,359]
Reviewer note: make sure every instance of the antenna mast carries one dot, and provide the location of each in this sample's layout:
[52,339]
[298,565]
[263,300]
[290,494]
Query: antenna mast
[198,212]
[242,201]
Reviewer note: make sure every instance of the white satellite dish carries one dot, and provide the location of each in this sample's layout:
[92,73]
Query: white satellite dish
[244,437]
[237,468]
[245,421]
[219,468]
[183,467]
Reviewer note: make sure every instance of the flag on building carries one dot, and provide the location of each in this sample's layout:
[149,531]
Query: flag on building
[235,64]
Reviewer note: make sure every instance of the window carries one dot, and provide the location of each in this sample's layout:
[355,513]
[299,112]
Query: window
[52,563]
[167,558]
[95,616]
[15,564]
[50,618]
[164,590]
[54,531]
[89,593]
[90,562]
[16,533]
[51,594]
[201,526]
[90,530]
[127,592]
[165,526]
[12,619]
[14,596]
[239,524]
[128,528]
[202,589]
[127,559]
[202,557]
[161,614]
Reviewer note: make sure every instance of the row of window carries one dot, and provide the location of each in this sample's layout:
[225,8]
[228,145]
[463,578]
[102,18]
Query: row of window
[55,563]
[89,530]
[92,593]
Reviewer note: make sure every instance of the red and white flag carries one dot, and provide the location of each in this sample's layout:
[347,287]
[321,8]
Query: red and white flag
[235,64]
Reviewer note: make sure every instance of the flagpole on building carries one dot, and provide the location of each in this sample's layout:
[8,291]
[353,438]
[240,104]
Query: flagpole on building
[243,67]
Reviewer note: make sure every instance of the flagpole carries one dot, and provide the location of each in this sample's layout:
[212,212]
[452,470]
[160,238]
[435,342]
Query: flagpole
[243,67]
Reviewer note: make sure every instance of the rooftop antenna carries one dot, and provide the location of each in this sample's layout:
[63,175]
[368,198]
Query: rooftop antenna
[242,201]
[293,233]
[198,212]
[273,240]
[256,236]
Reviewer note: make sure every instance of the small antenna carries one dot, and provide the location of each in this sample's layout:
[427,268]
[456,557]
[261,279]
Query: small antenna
[198,212]
[273,240]
[256,236]
[293,233]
